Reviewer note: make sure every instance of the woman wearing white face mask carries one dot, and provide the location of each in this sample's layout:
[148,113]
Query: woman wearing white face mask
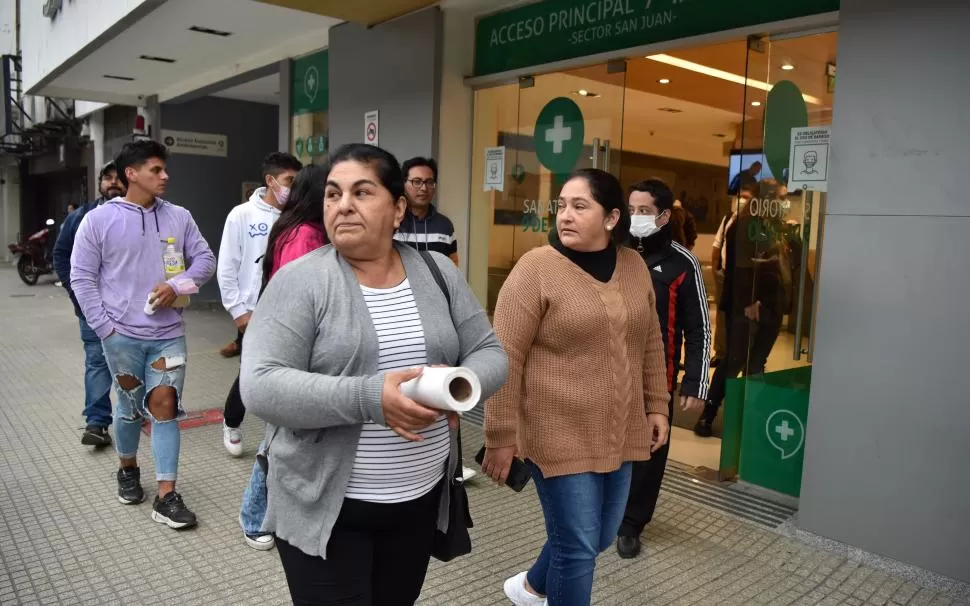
[683,314]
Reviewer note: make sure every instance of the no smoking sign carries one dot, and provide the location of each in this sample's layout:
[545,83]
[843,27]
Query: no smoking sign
[372,127]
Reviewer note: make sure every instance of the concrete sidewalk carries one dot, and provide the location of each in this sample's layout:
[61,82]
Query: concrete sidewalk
[65,539]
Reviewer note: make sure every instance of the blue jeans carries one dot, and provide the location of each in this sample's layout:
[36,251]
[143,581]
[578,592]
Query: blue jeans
[253,510]
[97,379]
[583,512]
[129,359]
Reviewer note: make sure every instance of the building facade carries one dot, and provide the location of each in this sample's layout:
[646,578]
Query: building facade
[858,419]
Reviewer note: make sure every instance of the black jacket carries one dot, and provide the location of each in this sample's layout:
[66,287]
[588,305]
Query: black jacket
[758,267]
[65,244]
[682,308]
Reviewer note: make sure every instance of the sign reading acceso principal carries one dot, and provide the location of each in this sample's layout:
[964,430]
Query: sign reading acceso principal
[555,30]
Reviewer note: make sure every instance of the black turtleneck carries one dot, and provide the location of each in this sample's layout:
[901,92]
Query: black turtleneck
[600,264]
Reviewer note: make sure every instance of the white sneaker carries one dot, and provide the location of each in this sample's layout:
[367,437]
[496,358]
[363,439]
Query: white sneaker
[260,542]
[232,440]
[520,596]
[467,473]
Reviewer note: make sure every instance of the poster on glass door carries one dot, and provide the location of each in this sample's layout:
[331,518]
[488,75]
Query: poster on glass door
[808,158]
[495,169]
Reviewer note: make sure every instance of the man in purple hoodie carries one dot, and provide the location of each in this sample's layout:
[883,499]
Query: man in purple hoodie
[116,267]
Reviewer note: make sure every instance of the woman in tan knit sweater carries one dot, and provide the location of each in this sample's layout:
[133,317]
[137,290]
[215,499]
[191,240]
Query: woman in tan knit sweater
[587,390]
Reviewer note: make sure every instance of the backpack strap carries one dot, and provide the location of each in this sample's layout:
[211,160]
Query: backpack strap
[436,273]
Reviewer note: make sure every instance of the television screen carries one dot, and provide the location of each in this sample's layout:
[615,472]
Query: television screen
[742,160]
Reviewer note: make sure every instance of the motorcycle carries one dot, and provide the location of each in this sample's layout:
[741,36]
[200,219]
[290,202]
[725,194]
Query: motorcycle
[35,256]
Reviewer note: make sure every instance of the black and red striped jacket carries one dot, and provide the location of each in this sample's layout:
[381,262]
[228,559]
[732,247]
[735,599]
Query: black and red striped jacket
[682,309]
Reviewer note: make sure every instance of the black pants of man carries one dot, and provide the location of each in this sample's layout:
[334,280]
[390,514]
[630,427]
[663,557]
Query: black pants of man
[645,489]
[749,345]
[234,411]
[378,555]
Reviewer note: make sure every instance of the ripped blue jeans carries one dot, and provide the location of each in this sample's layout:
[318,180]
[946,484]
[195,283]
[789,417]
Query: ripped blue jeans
[135,363]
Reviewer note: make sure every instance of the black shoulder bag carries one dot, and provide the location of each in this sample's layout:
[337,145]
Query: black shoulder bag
[456,541]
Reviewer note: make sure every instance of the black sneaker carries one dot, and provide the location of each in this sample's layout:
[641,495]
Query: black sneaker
[95,435]
[129,486]
[628,547]
[703,428]
[172,512]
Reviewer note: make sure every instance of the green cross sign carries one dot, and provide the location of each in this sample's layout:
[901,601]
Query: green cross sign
[559,135]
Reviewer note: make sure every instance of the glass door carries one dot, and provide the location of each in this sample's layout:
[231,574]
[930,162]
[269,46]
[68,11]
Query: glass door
[559,122]
[774,265]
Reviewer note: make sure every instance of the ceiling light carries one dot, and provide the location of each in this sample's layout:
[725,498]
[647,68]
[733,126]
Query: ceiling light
[159,59]
[125,78]
[209,30]
[670,110]
[721,74]
[756,103]
[585,93]
[664,81]
[787,67]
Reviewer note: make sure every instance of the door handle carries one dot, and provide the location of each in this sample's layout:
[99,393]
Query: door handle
[818,264]
[606,155]
[596,152]
[803,274]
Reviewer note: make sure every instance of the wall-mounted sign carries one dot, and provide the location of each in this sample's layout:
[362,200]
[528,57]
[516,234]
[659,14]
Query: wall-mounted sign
[199,144]
[372,127]
[51,8]
[495,169]
[559,135]
[309,87]
[555,30]
[808,160]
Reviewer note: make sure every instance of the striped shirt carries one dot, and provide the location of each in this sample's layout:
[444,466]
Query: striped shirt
[434,232]
[388,468]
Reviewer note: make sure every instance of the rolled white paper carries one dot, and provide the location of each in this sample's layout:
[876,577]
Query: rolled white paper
[453,389]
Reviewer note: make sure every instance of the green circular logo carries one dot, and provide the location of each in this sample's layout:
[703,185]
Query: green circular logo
[559,135]
[309,145]
[299,147]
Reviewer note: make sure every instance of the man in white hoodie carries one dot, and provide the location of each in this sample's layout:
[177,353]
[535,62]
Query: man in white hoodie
[240,268]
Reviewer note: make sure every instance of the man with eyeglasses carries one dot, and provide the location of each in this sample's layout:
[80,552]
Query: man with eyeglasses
[424,228]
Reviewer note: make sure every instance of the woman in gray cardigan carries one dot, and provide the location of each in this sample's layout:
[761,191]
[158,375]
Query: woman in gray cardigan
[356,470]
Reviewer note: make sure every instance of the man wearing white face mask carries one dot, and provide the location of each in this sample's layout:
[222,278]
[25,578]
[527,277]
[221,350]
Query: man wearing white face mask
[240,270]
[683,314]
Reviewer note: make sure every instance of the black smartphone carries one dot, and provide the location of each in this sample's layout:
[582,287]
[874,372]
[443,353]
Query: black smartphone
[519,474]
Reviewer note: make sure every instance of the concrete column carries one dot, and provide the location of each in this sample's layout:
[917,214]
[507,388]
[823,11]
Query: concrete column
[886,443]
[9,205]
[286,104]
[455,127]
[96,125]
[153,114]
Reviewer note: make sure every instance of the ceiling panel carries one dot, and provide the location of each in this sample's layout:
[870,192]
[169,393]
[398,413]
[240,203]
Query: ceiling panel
[189,57]
[370,12]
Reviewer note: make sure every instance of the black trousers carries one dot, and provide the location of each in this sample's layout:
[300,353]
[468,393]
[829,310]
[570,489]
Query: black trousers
[749,345]
[645,488]
[378,555]
[234,411]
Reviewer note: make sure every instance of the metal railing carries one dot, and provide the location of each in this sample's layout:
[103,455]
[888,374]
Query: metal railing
[31,125]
